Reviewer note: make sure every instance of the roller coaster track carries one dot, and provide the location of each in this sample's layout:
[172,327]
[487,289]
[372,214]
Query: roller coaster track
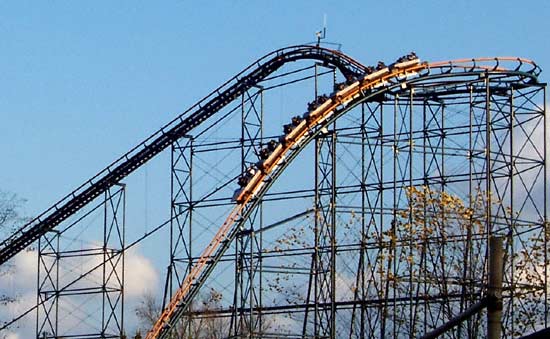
[366,88]
[163,138]
[363,86]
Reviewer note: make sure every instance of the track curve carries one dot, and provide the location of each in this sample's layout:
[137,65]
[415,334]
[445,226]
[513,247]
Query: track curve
[367,87]
[168,134]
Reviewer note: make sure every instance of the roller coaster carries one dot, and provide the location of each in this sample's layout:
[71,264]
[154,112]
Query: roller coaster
[465,127]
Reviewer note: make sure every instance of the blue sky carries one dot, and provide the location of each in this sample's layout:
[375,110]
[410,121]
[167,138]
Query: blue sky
[82,82]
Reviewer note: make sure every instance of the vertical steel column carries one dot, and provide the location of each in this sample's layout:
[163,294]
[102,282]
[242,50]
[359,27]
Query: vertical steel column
[545,203]
[333,239]
[181,220]
[443,247]
[324,270]
[379,261]
[360,293]
[47,317]
[425,182]
[333,244]
[494,291]
[248,246]
[392,252]
[361,272]
[488,155]
[511,217]
[412,316]
[102,283]
[468,272]
[113,262]
[488,186]
[316,229]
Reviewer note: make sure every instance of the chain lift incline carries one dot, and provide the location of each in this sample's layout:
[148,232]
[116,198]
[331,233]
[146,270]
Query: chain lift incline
[163,138]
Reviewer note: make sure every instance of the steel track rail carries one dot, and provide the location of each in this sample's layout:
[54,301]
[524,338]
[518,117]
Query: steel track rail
[163,138]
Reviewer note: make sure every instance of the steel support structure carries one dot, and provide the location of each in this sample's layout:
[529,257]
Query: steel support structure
[248,244]
[320,321]
[519,196]
[419,157]
[483,146]
[427,152]
[73,281]
[429,166]
[371,220]
[181,222]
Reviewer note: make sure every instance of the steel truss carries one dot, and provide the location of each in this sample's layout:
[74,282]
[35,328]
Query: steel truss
[386,237]
[181,220]
[322,282]
[422,135]
[73,281]
[248,245]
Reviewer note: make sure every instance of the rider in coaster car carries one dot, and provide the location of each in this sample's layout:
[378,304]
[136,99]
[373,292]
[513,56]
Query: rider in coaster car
[321,99]
[350,80]
[245,178]
[271,145]
[264,153]
[288,128]
[243,181]
[296,120]
[339,86]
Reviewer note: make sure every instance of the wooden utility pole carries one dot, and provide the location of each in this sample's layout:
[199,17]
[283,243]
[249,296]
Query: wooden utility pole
[494,290]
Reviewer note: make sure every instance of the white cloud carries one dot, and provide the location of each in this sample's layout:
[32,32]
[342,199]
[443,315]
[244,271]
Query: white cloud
[140,275]
[19,275]
[11,335]
[25,269]
[25,327]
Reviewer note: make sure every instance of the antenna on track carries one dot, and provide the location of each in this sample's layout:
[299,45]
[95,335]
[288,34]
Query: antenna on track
[322,34]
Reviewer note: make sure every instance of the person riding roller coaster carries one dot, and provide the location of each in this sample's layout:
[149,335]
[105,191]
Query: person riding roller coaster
[339,86]
[380,66]
[266,151]
[271,145]
[409,57]
[296,120]
[245,178]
